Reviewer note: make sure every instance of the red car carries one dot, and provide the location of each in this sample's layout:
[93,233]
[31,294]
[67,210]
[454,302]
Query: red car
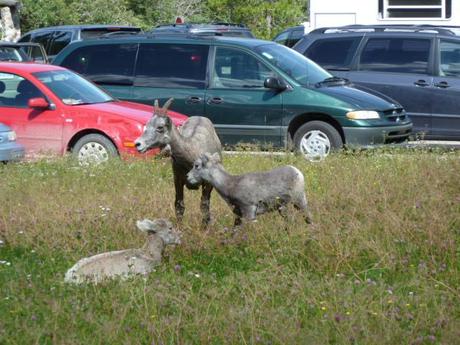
[54,110]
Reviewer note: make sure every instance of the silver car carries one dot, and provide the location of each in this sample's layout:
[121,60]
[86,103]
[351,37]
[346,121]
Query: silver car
[10,150]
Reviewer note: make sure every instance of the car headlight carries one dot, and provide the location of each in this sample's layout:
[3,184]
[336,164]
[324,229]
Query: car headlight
[11,135]
[363,115]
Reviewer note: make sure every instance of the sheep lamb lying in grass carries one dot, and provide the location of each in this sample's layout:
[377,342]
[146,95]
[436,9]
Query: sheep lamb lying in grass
[254,193]
[123,263]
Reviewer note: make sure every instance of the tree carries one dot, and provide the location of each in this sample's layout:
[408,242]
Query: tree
[265,18]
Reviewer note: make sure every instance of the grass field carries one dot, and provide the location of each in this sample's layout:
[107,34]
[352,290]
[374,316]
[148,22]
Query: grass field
[380,264]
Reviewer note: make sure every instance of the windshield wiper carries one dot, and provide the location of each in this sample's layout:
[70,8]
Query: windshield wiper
[333,81]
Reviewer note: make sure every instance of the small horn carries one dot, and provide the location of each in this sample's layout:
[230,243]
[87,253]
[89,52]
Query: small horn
[156,105]
[166,105]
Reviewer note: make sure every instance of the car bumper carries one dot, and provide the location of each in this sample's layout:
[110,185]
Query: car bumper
[11,152]
[376,135]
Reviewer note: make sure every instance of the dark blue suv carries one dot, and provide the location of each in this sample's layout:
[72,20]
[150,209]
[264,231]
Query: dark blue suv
[418,66]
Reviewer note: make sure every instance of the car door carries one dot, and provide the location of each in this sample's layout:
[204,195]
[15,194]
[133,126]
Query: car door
[237,102]
[399,67]
[37,129]
[446,92]
[166,70]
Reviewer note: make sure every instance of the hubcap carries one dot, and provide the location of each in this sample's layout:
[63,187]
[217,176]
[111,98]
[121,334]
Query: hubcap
[315,145]
[92,153]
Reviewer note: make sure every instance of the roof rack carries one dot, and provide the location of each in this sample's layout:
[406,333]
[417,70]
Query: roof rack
[190,24]
[120,33]
[446,30]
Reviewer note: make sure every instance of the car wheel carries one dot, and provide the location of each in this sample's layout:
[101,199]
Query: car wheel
[315,139]
[94,149]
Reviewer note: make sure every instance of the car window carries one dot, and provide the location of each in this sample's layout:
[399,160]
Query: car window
[333,53]
[294,64]
[237,69]
[449,60]
[296,35]
[403,55]
[60,40]
[16,91]
[43,38]
[171,65]
[12,54]
[282,38]
[105,63]
[34,53]
[71,88]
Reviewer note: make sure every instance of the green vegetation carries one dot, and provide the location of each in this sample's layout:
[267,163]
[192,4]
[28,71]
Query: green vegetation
[380,265]
[265,18]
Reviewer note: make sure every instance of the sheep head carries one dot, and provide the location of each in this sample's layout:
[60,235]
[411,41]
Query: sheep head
[157,131]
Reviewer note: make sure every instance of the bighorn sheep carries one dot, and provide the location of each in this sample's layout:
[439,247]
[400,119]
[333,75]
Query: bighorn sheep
[123,263]
[196,136]
[254,193]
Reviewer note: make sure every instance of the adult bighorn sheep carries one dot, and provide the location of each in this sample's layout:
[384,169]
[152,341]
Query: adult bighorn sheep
[254,193]
[123,263]
[196,136]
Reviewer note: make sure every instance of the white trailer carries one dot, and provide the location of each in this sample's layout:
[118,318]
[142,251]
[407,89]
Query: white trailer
[330,13]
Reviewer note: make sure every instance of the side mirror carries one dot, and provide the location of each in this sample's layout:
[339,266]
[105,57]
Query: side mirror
[275,84]
[38,103]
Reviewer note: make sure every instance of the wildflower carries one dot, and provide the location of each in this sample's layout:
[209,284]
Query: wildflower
[1,243]
[323,308]
[197,275]
[177,268]
[408,305]
[347,313]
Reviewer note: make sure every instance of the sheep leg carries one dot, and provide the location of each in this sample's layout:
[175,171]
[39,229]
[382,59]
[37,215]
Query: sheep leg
[238,214]
[179,205]
[301,204]
[249,212]
[206,190]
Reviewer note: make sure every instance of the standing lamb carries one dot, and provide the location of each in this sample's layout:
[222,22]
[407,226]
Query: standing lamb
[196,136]
[123,263]
[254,193]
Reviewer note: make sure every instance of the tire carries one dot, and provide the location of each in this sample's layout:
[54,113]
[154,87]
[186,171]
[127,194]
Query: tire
[94,149]
[315,140]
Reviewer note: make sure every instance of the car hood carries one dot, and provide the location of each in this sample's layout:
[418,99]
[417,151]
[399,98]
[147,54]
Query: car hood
[135,111]
[360,98]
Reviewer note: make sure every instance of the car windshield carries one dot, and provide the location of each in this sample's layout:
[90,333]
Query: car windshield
[294,64]
[71,88]
[12,54]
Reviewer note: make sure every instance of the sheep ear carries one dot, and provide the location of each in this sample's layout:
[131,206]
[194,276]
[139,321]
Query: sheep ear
[156,106]
[166,106]
[146,225]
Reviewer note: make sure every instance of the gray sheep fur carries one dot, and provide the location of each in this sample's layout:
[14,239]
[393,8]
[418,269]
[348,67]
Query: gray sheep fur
[124,263]
[196,136]
[253,193]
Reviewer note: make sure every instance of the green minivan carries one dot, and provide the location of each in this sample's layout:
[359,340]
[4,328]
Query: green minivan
[254,91]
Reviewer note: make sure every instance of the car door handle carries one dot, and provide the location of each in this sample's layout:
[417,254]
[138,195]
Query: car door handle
[442,84]
[193,100]
[422,83]
[216,100]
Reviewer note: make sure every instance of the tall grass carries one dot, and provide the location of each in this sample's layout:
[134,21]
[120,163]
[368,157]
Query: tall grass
[380,264]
